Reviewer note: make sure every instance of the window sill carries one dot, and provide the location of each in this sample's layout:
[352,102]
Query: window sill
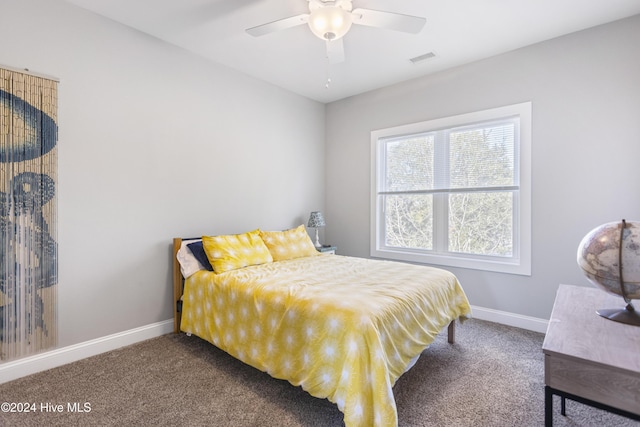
[494,265]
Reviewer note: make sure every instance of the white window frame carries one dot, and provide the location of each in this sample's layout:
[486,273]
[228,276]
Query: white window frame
[520,262]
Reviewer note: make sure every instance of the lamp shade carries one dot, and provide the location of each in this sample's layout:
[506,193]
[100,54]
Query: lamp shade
[330,22]
[316,220]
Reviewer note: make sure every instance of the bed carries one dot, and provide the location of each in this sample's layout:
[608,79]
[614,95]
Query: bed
[342,328]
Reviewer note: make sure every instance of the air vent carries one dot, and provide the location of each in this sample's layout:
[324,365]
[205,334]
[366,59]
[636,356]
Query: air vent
[423,57]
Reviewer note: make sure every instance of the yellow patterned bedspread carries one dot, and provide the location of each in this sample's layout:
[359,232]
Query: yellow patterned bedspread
[342,328]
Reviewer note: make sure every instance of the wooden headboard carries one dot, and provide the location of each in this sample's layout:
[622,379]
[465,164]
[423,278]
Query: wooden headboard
[178,285]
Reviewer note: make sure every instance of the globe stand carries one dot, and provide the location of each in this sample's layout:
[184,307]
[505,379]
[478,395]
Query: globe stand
[626,315]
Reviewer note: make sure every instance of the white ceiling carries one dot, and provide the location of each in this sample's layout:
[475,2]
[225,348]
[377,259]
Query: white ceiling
[457,31]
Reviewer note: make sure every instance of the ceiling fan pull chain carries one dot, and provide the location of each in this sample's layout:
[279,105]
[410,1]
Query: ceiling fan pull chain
[328,83]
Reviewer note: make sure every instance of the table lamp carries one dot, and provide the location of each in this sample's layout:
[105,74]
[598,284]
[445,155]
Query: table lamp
[316,220]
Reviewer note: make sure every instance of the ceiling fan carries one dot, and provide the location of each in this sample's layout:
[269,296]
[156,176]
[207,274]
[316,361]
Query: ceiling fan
[330,20]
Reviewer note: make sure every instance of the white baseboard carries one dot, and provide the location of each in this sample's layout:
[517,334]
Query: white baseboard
[41,362]
[510,319]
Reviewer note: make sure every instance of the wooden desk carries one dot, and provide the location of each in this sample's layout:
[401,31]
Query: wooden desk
[588,358]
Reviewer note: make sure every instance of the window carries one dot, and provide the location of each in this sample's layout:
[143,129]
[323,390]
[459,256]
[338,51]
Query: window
[455,191]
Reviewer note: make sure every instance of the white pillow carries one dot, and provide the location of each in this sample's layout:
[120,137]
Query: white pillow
[188,263]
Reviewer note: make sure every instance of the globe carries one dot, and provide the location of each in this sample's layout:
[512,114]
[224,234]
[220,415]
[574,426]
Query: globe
[607,252]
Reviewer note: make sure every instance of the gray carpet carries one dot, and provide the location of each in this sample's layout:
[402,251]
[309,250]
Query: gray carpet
[492,376]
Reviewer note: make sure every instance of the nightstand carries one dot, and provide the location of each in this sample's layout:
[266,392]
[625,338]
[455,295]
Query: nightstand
[327,249]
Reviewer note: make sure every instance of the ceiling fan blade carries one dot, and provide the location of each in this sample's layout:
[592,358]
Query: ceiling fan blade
[335,51]
[388,20]
[280,24]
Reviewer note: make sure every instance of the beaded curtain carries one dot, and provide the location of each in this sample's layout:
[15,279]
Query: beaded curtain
[28,223]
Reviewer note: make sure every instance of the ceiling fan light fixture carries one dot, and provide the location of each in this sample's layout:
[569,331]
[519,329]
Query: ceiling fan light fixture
[330,22]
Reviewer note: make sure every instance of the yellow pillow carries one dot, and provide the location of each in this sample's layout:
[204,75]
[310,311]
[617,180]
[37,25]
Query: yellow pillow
[289,244]
[230,252]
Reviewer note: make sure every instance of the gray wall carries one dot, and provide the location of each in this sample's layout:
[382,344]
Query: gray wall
[155,143]
[585,94]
